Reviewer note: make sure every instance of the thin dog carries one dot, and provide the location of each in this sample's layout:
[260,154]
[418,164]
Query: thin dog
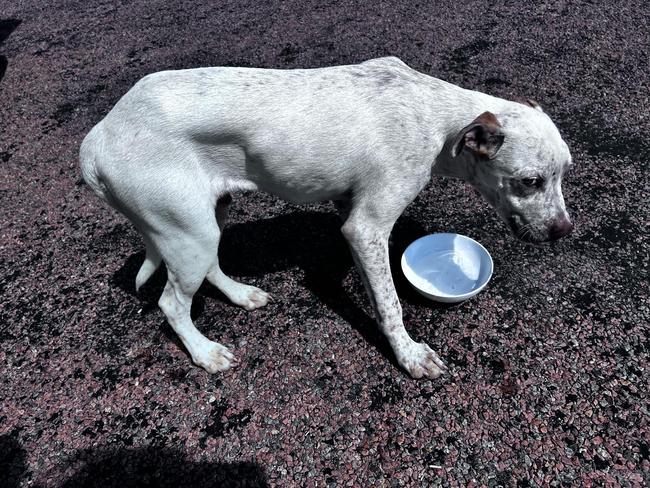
[367,136]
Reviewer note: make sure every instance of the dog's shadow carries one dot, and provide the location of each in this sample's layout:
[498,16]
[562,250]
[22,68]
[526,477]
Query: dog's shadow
[107,467]
[308,240]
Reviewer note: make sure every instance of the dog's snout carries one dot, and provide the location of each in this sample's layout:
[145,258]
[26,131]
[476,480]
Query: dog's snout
[560,228]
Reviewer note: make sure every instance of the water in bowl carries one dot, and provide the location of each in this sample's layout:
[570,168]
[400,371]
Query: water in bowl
[448,272]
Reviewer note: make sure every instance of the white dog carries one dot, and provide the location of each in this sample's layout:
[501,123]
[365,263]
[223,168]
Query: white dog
[368,136]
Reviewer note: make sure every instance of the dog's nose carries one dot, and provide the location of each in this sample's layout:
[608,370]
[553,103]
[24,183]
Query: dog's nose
[560,228]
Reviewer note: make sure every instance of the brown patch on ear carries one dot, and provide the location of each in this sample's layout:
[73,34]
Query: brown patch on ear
[483,137]
[489,120]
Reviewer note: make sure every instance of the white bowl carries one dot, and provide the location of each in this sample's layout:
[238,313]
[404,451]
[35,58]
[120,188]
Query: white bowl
[447,268]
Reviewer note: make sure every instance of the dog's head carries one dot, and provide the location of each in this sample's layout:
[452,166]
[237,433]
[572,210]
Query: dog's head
[516,160]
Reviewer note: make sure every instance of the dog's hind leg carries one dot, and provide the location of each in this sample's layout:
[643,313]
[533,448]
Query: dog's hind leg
[246,296]
[150,265]
[187,243]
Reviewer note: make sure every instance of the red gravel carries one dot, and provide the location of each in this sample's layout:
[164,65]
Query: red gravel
[549,365]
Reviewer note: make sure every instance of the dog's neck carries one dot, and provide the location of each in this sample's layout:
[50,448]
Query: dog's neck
[459,108]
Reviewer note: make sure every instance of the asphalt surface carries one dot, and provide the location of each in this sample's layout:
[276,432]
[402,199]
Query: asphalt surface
[548,380]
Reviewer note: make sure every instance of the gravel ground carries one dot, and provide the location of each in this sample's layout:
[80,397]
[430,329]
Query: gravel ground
[549,365]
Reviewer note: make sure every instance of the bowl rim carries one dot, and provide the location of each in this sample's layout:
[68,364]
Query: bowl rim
[445,296]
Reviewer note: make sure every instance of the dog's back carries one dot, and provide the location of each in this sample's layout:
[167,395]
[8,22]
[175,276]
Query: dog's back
[281,131]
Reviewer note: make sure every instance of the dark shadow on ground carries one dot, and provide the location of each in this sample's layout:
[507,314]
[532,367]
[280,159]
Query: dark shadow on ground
[12,461]
[153,467]
[309,240]
[6,28]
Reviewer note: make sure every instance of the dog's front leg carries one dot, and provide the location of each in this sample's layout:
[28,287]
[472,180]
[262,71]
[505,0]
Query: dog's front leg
[369,246]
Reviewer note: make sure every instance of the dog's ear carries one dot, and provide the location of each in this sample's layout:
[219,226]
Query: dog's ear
[483,137]
[532,103]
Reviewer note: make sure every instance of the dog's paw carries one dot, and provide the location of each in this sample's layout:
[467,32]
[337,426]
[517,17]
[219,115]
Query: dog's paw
[213,357]
[421,361]
[250,297]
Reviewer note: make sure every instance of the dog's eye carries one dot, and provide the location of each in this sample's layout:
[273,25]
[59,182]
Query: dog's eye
[534,182]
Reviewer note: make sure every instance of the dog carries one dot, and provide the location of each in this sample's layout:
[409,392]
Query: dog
[367,136]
